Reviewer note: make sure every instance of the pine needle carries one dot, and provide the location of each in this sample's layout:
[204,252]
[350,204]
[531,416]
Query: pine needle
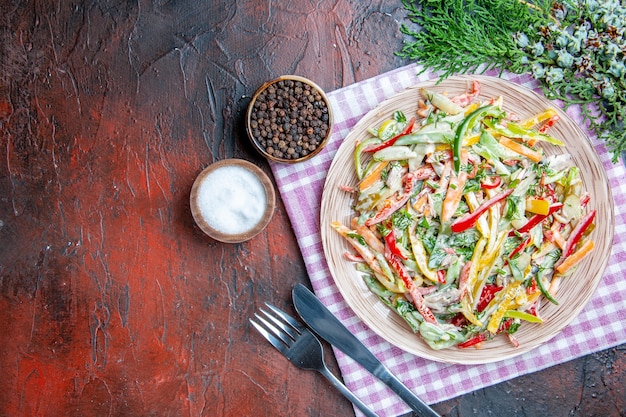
[459,36]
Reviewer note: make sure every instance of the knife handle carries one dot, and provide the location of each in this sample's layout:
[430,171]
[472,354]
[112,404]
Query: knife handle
[420,407]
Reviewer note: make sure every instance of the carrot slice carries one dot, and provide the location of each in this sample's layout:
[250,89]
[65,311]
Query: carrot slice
[575,257]
[521,149]
[453,195]
[373,176]
[455,192]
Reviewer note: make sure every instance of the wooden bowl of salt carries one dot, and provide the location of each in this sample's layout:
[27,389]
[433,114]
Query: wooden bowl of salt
[232,200]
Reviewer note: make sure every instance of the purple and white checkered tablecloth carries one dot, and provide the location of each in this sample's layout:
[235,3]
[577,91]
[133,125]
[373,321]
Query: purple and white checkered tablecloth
[600,325]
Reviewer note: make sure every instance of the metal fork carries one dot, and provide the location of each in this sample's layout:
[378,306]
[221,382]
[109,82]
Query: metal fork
[301,347]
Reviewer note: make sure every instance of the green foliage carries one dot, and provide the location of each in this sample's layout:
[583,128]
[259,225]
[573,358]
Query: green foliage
[575,48]
[457,36]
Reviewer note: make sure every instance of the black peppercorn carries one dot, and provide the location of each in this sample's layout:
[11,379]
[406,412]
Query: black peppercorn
[289,119]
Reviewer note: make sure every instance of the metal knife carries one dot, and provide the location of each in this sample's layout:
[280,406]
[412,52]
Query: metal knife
[326,325]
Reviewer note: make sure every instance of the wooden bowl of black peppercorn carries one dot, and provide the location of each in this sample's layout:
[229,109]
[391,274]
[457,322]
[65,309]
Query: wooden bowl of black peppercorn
[289,119]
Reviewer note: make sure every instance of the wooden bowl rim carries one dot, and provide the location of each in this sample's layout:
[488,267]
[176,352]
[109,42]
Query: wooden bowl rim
[257,146]
[229,237]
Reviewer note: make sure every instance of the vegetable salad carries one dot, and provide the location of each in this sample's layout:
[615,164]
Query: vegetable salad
[461,224]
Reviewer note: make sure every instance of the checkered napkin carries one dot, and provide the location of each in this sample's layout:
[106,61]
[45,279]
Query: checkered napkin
[600,325]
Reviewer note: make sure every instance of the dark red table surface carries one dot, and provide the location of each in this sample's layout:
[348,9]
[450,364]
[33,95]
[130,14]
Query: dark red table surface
[112,301]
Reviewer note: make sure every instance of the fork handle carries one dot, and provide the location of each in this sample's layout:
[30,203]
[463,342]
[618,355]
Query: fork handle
[347,393]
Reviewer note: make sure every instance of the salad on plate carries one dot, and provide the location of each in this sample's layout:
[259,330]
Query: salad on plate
[461,224]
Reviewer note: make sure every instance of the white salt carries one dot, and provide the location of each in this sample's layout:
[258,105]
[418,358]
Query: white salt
[232,199]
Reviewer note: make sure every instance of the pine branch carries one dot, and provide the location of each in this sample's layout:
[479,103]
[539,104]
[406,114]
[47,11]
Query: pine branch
[459,36]
[575,48]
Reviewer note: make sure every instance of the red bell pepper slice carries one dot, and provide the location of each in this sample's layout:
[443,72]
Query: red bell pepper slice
[582,225]
[473,341]
[441,276]
[549,123]
[481,337]
[459,320]
[537,218]
[468,220]
[489,291]
[520,247]
[392,244]
[506,324]
[417,298]
[584,200]
[494,182]
[391,141]
[389,207]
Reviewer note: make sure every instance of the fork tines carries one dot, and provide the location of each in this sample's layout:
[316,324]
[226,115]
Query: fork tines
[280,337]
[293,322]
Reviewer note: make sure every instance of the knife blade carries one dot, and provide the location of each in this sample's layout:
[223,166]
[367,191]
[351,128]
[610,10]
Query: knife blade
[326,325]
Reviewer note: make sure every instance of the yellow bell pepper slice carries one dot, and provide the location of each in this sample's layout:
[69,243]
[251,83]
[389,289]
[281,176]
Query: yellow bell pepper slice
[538,206]
[538,118]
[471,140]
[485,265]
[509,294]
[421,258]
[466,309]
